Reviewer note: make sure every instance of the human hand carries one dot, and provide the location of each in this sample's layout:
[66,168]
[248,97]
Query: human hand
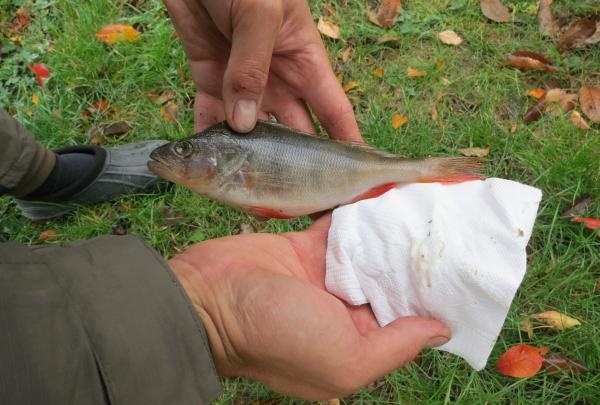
[268,317]
[249,58]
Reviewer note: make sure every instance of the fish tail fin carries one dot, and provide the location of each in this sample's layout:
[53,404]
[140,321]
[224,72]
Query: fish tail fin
[451,170]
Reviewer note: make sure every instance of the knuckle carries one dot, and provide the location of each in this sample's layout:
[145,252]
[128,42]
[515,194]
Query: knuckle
[250,78]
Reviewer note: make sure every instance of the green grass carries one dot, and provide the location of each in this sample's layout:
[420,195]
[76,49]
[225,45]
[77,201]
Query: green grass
[477,108]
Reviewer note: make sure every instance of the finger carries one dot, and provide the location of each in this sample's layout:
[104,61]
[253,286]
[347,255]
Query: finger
[329,102]
[321,226]
[295,115]
[255,26]
[394,345]
[208,110]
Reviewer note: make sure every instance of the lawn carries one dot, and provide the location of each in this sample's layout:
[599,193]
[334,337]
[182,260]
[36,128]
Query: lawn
[479,103]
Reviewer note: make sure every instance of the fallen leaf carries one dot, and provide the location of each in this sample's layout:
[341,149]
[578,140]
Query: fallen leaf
[576,34]
[346,54]
[434,111]
[243,229]
[116,33]
[340,77]
[536,93]
[595,37]
[578,121]
[378,72]
[556,362]
[164,97]
[521,361]
[398,120]
[98,107]
[580,206]
[562,101]
[536,111]
[41,72]
[21,21]
[35,99]
[48,234]
[387,38]
[530,60]
[94,130]
[171,217]
[589,98]
[557,320]
[98,140]
[410,72]
[329,8]
[170,112]
[117,128]
[440,63]
[513,128]
[388,12]
[548,24]
[475,152]
[495,10]
[349,86]
[526,326]
[328,28]
[450,37]
[591,223]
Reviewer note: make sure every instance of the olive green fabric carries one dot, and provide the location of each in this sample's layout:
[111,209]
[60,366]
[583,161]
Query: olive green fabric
[103,321]
[24,163]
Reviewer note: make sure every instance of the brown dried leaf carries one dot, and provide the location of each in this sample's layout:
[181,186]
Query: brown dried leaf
[330,9]
[372,16]
[580,206]
[93,131]
[530,60]
[388,12]
[536,111]
[578,121]
[576,35]
[410,72]
[387,38]
[118,128]
[495,10]
[346,54]
[560,101]
[171,217]
[164,97]
[450,37]
[548,24]
[328,28]
[556,362]
[475,152]
[589,98]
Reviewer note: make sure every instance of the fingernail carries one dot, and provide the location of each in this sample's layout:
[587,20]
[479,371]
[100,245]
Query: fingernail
[244,115]
[437,341]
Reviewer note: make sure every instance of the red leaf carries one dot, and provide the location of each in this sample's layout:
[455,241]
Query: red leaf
[41,72]
[521,361]
[591,223]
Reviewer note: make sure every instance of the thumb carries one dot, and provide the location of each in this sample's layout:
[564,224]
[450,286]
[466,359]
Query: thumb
[255,26]
[397,343]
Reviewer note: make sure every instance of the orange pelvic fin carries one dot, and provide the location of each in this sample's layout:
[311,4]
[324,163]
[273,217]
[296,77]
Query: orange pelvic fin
[375,192]
[268,213]
[452,170]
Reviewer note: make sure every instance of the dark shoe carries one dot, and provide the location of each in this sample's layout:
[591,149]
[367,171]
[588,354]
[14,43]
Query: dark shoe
[119,170]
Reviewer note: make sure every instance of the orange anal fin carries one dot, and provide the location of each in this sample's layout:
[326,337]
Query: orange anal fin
[268,213]
[455,179]
[375,192]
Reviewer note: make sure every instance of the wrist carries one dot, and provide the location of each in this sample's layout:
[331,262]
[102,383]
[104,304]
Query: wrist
[195,284]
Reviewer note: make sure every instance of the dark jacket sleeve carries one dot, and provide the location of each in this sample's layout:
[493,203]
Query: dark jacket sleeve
[99,322]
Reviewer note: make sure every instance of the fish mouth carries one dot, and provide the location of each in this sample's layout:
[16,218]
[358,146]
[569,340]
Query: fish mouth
[158,165]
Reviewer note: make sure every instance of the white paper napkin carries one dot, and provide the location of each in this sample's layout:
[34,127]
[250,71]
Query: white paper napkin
[453,252]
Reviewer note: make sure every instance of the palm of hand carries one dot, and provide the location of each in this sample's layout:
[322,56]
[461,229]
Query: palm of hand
[266,294]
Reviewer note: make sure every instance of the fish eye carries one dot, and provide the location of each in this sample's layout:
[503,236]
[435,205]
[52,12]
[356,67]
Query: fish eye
[183,149]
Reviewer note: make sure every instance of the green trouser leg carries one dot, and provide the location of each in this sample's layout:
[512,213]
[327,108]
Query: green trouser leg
[24,163]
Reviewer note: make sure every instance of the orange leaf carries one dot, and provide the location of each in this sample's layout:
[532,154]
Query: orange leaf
[114,33]
[328,28]
[530,60]
[521,361]
[378,72]
[398,120]
[578,121]
[48,234]
[41,72]
[349,86]
[536,93]
[591,223]
[410,72]
[589,98]
[35,99]
[170,112]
